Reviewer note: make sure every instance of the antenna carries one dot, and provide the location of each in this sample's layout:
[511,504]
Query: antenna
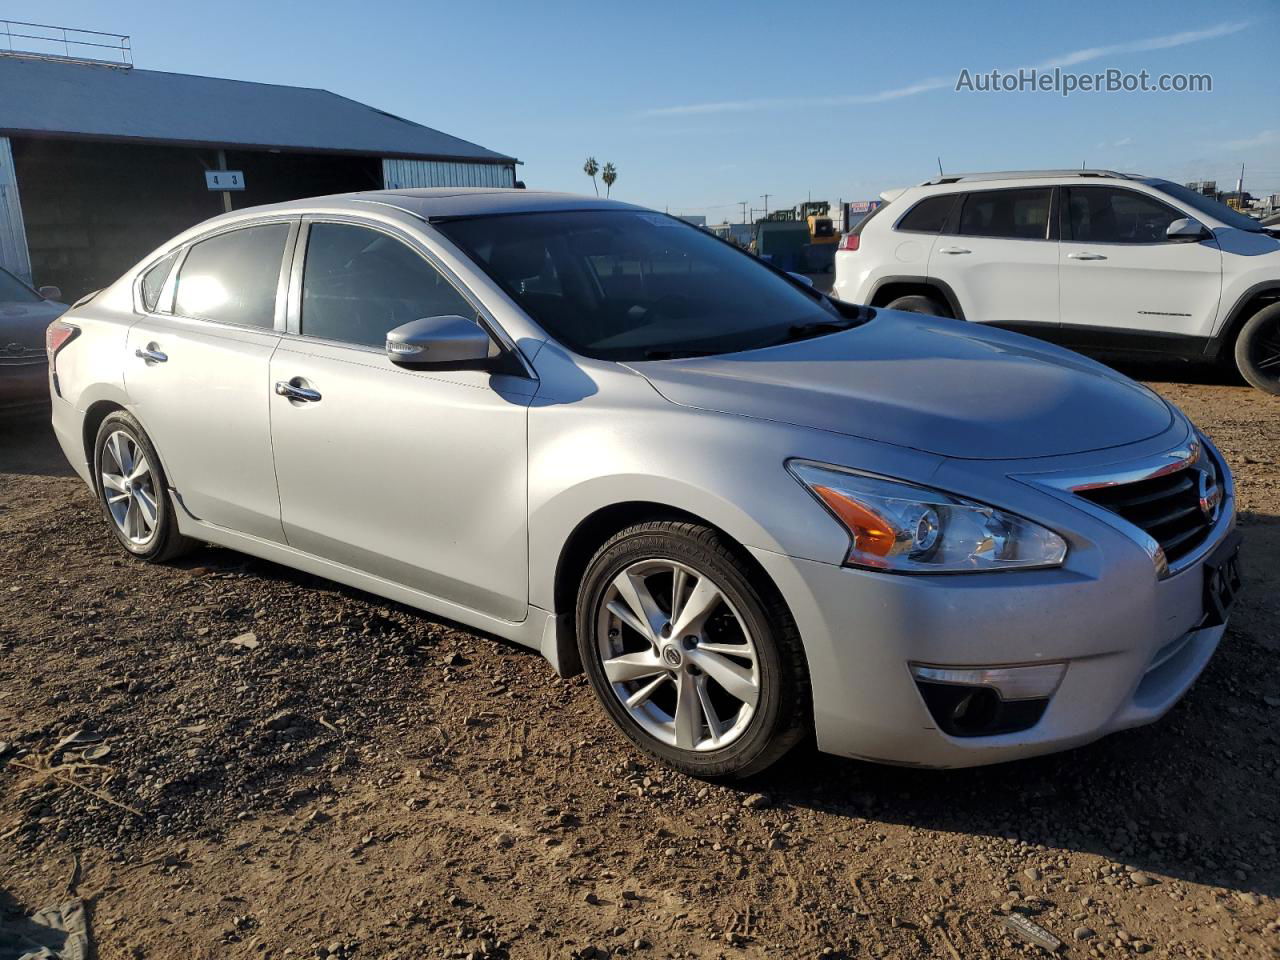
[940,173]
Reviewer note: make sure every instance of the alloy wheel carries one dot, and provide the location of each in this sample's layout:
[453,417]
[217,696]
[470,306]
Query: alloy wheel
[1264,351]
[128,487]
[677,655]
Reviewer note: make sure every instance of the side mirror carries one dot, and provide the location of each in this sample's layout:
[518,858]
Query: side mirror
[801,278]
[449,341]
[50,292]
[1186,230]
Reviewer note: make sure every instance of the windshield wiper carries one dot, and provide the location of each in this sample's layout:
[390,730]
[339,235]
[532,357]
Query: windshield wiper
[819,328]
[677,354]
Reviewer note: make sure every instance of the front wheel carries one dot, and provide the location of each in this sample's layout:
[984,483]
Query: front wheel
[692,661]
[132,491]
[1258,349]
[919,303]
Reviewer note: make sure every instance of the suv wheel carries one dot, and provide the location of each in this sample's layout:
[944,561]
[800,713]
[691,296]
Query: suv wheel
[1258,349]
[132,491]
[693,662]
[919,303]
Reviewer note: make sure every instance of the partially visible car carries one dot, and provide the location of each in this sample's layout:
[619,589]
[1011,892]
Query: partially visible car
[25,315]
[1099,261]
[751,513]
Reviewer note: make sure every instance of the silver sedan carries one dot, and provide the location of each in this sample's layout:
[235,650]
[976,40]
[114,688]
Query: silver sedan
[752,514]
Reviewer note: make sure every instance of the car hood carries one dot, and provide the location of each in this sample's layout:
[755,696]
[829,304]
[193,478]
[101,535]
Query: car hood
[24,323]
[942,386]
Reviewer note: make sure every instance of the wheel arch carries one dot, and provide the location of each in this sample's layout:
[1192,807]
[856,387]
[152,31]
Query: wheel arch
[888,289]
[1247,304]
[591,533]
[96,412]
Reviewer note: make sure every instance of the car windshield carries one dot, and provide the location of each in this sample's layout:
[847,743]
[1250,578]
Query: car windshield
[631,285]
[1207,205]
[14,290]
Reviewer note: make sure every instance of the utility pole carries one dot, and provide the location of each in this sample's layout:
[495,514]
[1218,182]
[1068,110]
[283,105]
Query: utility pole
[743,204]
[765,197]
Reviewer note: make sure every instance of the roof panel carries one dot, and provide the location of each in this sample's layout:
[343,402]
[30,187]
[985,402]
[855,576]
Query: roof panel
[48,97]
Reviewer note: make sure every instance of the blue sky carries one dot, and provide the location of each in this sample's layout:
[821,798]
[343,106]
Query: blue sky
[704,103]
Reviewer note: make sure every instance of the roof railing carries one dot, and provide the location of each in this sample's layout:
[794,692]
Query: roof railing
[43,41]
[1028,175]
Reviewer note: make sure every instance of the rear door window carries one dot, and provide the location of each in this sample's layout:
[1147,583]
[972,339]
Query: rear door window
[1112,215]
[233,277]
[1010,214]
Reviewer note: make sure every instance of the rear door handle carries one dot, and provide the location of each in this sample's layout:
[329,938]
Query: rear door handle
[1085,256]
[954,250]
[293,391]
[151,354]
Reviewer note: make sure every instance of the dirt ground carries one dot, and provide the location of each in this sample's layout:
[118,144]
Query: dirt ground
[356,781]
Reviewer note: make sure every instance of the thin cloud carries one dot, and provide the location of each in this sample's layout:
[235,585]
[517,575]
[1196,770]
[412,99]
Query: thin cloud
[1262,139]
[1166,42]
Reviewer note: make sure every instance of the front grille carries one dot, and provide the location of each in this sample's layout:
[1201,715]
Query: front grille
[1166,507]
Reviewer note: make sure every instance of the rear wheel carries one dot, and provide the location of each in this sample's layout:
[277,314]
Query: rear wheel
[132,491]
[1258,349]
[690,659]
[919,303]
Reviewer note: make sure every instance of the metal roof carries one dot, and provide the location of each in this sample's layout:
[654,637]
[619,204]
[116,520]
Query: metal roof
[48,98]
[1027,175]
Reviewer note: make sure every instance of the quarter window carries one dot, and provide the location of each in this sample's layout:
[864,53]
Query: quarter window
[153,282]
[358,284]
[929,215]
[1109,215]
[232,278]
[1013,214]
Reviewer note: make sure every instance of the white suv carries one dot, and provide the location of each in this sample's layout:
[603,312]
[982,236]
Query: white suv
[1092,259]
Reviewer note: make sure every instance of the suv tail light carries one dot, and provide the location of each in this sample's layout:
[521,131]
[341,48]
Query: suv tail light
[849,241]
[57,335]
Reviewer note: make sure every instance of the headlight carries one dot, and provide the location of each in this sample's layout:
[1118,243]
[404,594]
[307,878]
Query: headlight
[909,529]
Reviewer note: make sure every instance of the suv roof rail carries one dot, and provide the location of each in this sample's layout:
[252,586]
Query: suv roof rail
[1027,175]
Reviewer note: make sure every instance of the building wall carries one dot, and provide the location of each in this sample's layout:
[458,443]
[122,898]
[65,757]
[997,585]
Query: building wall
[13,235]
[400,174]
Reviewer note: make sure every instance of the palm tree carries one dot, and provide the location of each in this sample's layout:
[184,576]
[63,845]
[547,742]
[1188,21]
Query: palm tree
[591,168]
[609,175]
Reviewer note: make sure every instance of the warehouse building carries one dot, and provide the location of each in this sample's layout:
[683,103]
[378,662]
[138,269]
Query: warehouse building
[100,163]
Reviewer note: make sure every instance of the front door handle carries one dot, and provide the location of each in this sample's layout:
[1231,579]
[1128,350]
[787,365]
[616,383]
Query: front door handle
[151,354]
[954,250]
[294,391]
[1085,256]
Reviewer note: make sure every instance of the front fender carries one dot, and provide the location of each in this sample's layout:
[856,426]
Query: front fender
[727,470]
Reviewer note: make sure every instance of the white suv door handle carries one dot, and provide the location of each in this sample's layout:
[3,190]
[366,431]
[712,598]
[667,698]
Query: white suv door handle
[151,354]
[1085,256]
[295,392]
[954,250]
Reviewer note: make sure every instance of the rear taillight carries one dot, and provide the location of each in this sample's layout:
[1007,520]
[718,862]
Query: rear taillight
[849,241]
[57,335]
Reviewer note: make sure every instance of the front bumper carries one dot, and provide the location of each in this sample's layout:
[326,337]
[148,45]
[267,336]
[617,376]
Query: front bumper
[24,382]
[1132,643]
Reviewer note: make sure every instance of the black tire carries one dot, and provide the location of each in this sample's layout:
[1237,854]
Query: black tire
[781,716]
[165,542]
[919,303]
[1258,349]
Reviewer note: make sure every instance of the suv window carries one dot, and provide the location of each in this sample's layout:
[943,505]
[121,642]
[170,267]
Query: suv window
[153,282]
[929,215]
[359,283]
[232,278]
[1113,215]
[1017,214]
